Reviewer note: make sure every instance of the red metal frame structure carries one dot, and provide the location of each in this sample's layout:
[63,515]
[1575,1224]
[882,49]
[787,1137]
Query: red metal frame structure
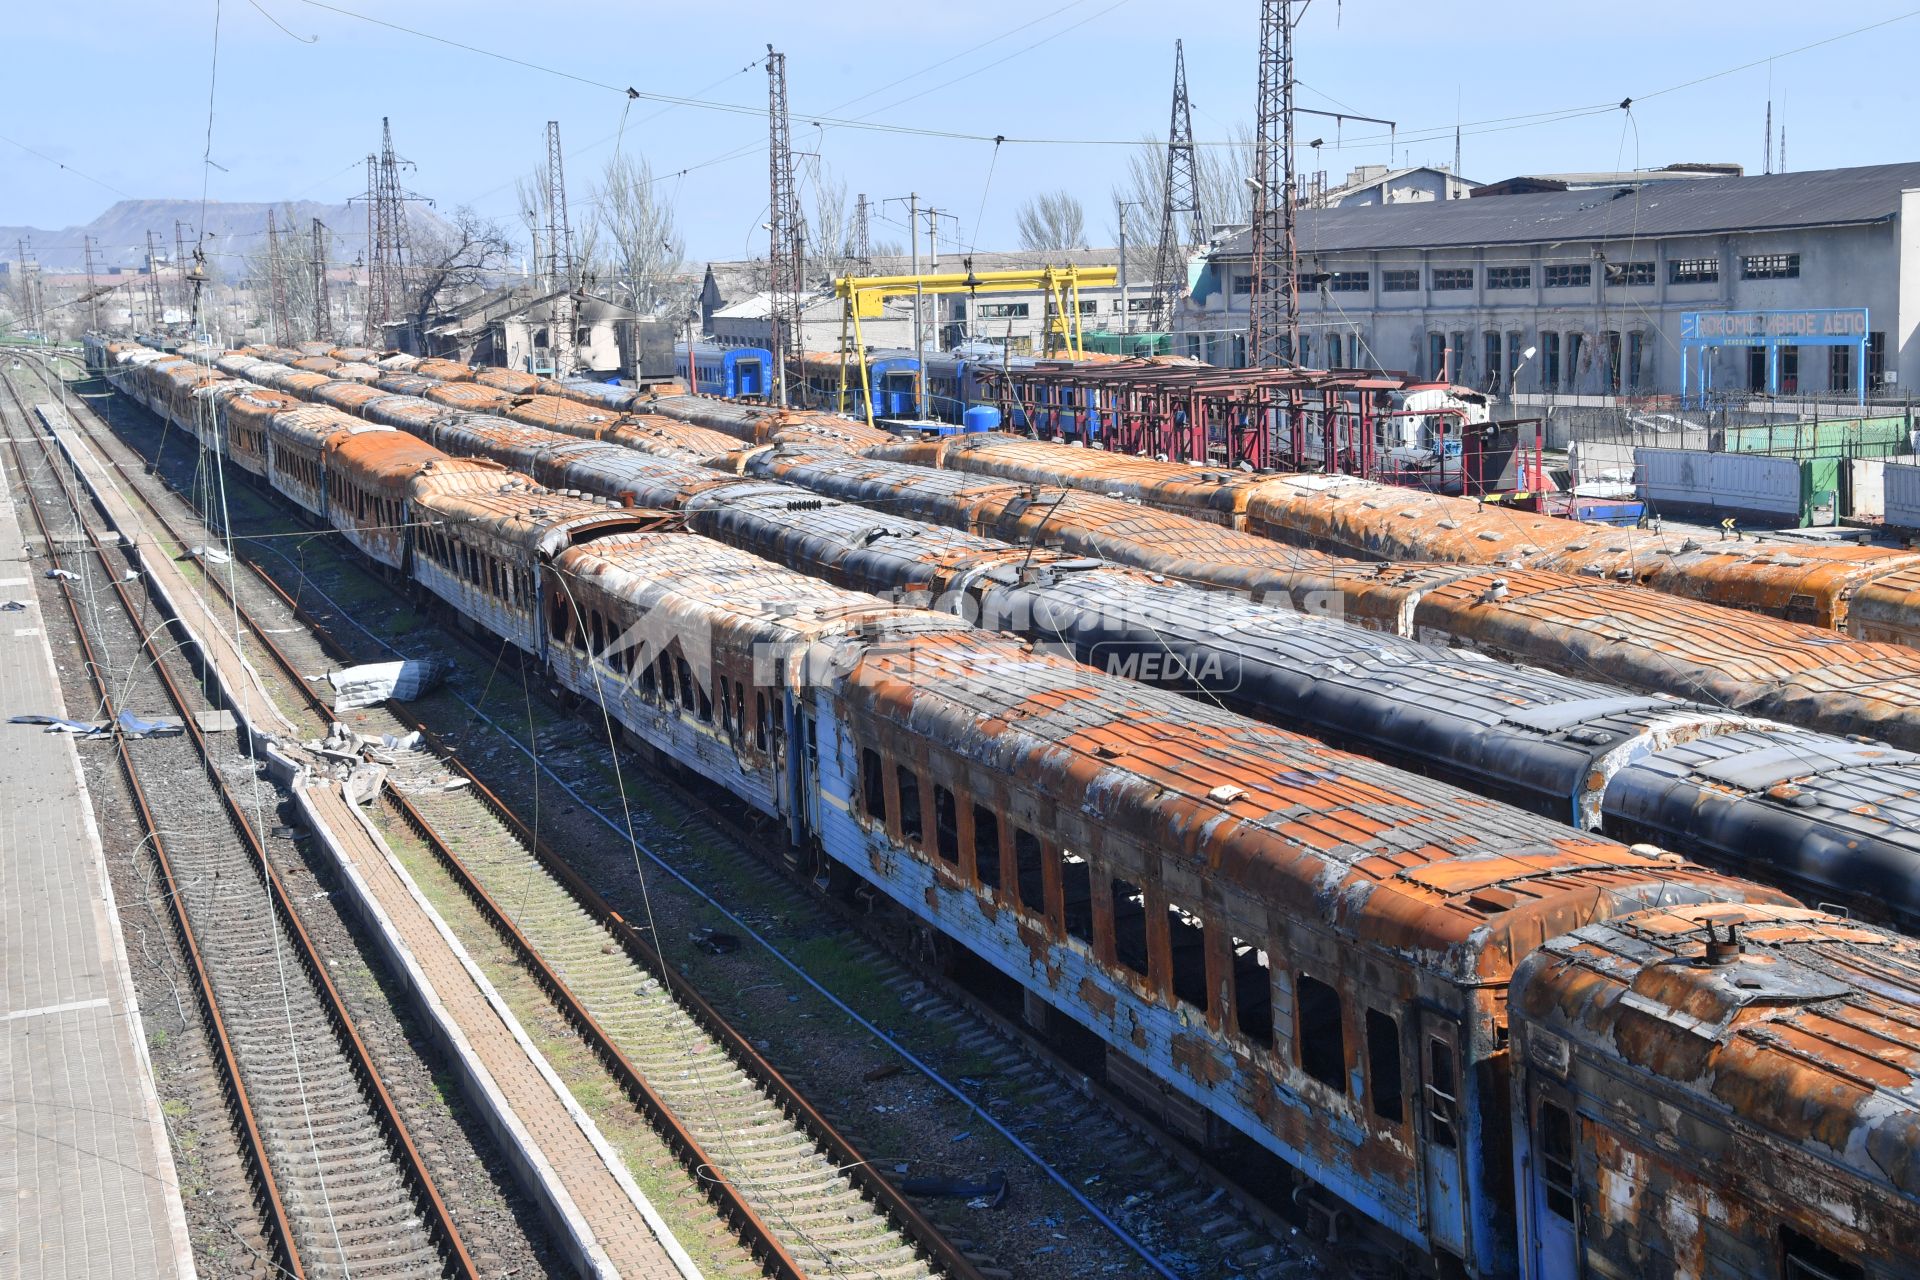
[1201,414]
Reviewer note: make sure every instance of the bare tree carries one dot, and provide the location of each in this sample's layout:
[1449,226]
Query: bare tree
[829,230]
[293,261]
[464,253]
[1221,174]
[634,247]
[1051,220]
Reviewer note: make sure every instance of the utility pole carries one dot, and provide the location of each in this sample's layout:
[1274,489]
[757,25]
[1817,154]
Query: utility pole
[1273,311]
[1180,195]
[322,307]
[919,296]
[156,309]
[277,286]
[862,237]
[560,251]
[93,296]
[786,244]
[29,314]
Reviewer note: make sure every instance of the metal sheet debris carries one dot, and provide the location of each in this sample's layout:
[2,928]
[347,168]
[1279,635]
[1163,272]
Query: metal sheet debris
[375,682]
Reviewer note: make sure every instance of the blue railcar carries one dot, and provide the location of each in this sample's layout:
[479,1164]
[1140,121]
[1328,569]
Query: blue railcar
[731,372]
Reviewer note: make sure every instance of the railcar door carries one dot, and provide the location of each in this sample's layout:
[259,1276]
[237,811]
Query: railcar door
[1444,1151]
[1551,1177]
[803,769]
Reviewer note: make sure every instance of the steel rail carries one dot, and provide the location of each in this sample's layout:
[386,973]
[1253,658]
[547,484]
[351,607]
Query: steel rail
[439,1219]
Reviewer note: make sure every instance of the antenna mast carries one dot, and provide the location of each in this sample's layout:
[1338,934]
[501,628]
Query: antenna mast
[786,248]
[156,310]
[559,255]
[1180,196]
[93,292]
[1273,318]
[862,237]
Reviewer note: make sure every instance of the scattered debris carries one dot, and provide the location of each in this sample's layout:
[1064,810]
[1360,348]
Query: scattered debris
[12,606]
[212,555]
[128,725]
[67,574]
[134,727]
[990,1194]
[221,721]
[882,1072]
[715,943]
[375,682]
[59,724]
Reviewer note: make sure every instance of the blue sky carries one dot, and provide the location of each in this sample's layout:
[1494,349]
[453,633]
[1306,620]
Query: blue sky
[118,91]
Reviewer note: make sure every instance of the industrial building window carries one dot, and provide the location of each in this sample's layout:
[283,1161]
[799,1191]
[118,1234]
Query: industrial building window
[1629,275]
[1383,1067]
[946,826]
[1876,361]
[986,846]
[1076,896]
[1556,1159]
[1003,311]
[1514,340]
[1636,358]
[1322,1036]
[1805,1259]
[1569,275]
[1252,992]
[1613,361]
[910,819]
[1029,876]
[1576,358]
[1693,271]
[1839,368]
[1509,277]
[1129,925]
[1446,279]
[1436,354]
[1349,281]
[873,785]
[1770,266]
[1491,343]
[1242,286]
[1399,281]
[1187,946]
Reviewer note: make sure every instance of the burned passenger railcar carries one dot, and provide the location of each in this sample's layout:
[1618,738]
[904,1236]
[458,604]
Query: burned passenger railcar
[1719,1091]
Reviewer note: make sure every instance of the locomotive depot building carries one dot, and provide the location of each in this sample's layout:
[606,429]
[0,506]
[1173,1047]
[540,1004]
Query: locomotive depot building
[1599,283]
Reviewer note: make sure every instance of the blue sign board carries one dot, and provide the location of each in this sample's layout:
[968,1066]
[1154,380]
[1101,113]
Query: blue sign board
[1813,327]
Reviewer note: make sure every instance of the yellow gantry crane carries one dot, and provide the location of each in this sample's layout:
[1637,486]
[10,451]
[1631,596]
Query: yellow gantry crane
[866,297]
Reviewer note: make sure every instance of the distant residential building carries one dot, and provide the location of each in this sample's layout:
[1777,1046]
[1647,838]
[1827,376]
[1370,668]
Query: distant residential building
[1382,184]
[1595,281]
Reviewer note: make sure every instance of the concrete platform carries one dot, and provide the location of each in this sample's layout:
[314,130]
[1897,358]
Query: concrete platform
[87,1182]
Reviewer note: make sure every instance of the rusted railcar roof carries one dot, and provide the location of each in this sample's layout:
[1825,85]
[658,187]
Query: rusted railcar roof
[398,362]
[652,433]
[317,364]
[406,384]
[354,355]
[470,396]
[386,459]
[1811,1032]
[444,370]
[353,397]
[512,381]
[515,511]
[358,372]
[315,348]
[311,426]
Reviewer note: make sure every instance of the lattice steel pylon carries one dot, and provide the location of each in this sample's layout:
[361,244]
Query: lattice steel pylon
[786,241]
[1273,312]
[156,309]
[281,321]
[1181,195]
[389,251]
[862,236]
[93,290]
[559,255]
[322,306]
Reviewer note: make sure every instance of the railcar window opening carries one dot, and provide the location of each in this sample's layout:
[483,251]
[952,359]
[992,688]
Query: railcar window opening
[1322,1033]
[1253,992]
[760,720]
[1130,926]
[986,848]
[1076,896]
[598,632]
[1441,1094]
[907,782]
[1803,1258]
[705,710]
[1029,873]
[1384,1083]
[946,826]
[1557,1160]
[1187,949]
[873,785]
[669,688]
[687,699]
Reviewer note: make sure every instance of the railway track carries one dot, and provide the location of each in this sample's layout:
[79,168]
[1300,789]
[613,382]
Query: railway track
[796,1190]
[340,1187]
[1179,1220]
